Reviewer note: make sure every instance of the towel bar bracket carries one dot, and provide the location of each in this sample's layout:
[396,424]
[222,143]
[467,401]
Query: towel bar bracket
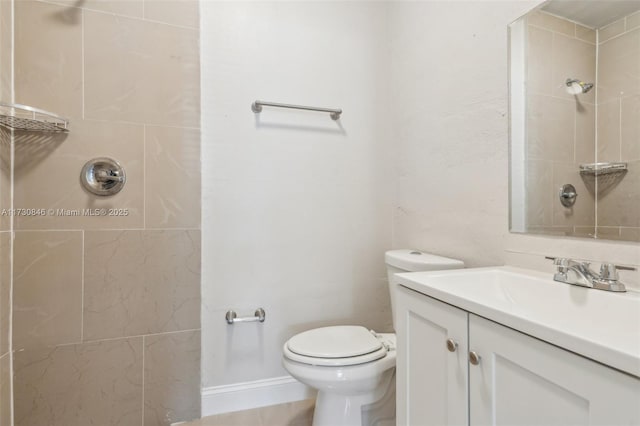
[259,316]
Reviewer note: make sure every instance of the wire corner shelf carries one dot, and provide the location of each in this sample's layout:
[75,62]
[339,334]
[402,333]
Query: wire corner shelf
[599,169]
[30,119]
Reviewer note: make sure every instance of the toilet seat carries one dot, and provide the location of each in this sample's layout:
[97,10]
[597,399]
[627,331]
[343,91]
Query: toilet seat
[335,346]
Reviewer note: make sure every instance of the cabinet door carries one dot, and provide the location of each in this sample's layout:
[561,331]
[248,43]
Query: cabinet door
[431,380]
[521,380]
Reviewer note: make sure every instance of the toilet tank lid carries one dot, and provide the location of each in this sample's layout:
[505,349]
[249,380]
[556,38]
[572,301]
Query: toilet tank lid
[414,261]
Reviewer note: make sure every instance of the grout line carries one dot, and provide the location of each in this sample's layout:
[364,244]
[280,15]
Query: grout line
[137,123]
[12,96]
[575,135]
[574,37]
[119,15]
[616,36]
[595,145]
[144,177]
[111,339]
[82,292]
[105,229]
[143,378]
[82,74]
[562,98]
[620,130]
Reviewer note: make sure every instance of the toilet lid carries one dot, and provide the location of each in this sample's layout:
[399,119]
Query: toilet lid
[334,342]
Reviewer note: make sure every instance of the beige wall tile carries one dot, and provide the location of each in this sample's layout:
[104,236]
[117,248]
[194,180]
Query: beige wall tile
[585,231]
[540,193]
[6,177]
[585,133]
[47,295]
[609,131]
[141,282]
[539,66]
[140,71]
[6,51]
[608,232]
[633,21]
[41,158]
[573,58]
[551,22]
[630,234]
[619,203]
[171,378]
[630,128]
[177,12]
[72,13]
[586,34]
[619,67]
[79,385]
[583,211]
[6,401]
[172,177]
[48,58]
[5,291]
[551,128]
[614,29]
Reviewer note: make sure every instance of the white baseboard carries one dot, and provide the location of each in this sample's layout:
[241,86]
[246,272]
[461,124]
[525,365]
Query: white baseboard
[248,395]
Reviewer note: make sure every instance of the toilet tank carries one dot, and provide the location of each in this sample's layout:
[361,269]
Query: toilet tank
[414,261]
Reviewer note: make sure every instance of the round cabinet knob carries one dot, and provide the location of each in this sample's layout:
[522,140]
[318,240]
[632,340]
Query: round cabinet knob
[452,345]
[474,358]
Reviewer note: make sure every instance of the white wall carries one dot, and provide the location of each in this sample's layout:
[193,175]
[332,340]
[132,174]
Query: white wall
[449,75]
[297,211]
[296,207]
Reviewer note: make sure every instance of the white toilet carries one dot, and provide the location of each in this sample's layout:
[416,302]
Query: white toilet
[353,368]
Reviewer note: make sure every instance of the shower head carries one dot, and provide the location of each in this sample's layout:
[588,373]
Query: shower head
[575,86]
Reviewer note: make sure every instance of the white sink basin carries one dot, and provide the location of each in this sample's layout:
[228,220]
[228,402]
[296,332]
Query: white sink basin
[600,325]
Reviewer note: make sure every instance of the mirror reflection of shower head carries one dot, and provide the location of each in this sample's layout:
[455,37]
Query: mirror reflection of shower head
[575,86]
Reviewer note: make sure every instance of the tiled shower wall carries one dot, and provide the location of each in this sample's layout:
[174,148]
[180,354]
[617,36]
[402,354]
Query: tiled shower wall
[619,128]
[6,176]
[561,127]
[106,309]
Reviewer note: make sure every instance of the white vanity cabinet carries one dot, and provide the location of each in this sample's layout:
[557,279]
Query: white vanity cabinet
[432,373]
[522,380]
[518,379]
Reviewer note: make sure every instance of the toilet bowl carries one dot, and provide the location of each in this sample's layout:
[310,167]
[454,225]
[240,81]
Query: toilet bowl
[352,368]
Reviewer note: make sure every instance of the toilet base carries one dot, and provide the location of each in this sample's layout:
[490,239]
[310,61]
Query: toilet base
[376,408]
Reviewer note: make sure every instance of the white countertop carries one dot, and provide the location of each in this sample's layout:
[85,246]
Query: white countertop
[600,325]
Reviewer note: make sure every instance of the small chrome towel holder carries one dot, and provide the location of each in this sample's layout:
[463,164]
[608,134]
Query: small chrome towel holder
[258,316]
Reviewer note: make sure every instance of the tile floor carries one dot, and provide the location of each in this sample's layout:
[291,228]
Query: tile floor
[299,413]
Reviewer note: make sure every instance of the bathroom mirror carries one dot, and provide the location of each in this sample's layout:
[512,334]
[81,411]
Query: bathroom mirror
[575,120]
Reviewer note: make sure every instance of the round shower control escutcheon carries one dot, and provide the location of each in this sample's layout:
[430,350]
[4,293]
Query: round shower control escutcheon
[103,176]
[568,195]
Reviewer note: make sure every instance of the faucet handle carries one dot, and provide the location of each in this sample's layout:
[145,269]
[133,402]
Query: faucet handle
[625,268]
[561,263]
[609,271]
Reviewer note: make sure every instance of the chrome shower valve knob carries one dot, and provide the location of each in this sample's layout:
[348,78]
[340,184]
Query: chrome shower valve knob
[103,176]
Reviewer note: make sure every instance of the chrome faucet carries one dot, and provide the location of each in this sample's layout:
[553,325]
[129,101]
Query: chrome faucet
[579,273]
